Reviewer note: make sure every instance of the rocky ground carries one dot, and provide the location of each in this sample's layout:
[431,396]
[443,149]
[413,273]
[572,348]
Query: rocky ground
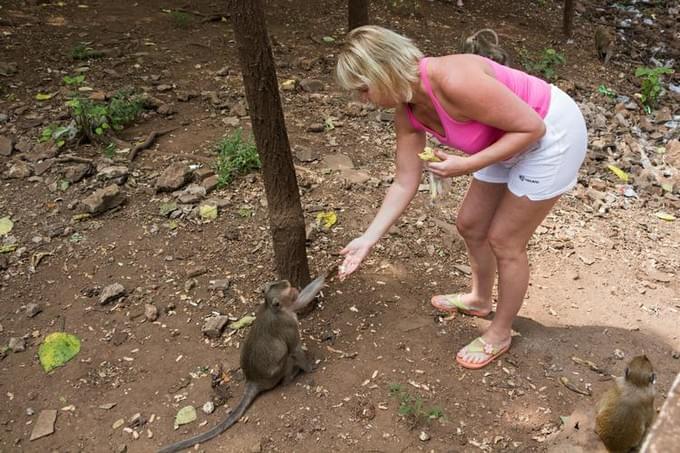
[128,256]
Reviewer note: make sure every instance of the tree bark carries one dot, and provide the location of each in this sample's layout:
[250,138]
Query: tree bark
[286,220]
[357,13]
[568,19]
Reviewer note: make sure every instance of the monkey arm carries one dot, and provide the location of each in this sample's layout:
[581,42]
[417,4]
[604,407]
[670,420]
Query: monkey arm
[308,293]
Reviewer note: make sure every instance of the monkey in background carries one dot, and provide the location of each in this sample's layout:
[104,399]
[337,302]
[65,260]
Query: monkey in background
[485,42]
[604,44]
[271,353]
[626,411]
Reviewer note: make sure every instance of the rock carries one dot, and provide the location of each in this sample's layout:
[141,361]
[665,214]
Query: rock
[304,154]
[6,146]
[3,118]
[209,407]
[119,173]
[103,199]
[150,312]
[232,121]
[222,284]
[673,153]
[337,162]
[75,173]
[201,173]
[118,423]
[355,177]
[210,183]
[619,354]
[193,193]
[111,293]
[166,109]
[44,425]
[386,116]
[24,145]
[315,127]
[311,85]
[42,166]
[423,436]
[20,170]
[239,109]
[17,344]
[173,177]
[164,87]
[196,271]
[42,151]
[214,326]
[32,310]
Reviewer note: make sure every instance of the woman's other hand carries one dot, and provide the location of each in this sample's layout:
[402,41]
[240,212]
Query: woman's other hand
[354,252]
[450,165]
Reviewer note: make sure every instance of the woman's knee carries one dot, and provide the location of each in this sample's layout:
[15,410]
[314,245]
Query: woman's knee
[470,228]
[504,245]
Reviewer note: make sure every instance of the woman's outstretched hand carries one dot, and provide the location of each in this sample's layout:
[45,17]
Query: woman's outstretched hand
[450,165]
[354,252]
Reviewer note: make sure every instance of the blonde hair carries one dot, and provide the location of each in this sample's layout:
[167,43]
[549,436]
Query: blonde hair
[381,59]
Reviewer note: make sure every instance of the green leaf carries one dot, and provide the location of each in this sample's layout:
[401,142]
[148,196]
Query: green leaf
[185,415]
[99,131]
[8,248]
[622,175]
[6,225]
[63,185]
[328,39]
[243,322]
[43,96]
[57,349]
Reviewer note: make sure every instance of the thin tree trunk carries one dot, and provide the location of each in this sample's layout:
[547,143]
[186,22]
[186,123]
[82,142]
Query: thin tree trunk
[357,13]
[568,19]
[286,219]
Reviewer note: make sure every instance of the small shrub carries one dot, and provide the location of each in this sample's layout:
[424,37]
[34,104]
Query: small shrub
[94,119]
[82,51]
[180,19]
[412,408]
[546,66]
[651,84]
[235,157]
[74,80]
[603,89]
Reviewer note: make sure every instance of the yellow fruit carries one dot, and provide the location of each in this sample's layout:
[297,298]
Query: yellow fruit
[428,155]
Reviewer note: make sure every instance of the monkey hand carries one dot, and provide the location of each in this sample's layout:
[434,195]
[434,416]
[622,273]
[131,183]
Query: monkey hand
[354,252]
[450,165]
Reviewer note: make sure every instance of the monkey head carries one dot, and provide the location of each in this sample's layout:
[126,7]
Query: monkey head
[639,372]
[280,294]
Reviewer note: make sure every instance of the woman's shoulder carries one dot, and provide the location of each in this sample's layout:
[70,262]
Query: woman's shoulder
[456,71]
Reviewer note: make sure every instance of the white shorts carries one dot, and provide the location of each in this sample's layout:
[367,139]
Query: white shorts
[550,167]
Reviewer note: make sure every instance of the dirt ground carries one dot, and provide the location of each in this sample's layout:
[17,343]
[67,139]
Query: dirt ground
[604,284]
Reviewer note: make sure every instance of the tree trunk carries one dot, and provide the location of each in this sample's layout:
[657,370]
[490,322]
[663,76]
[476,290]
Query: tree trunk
[286,219]
[357,13]
[568,19]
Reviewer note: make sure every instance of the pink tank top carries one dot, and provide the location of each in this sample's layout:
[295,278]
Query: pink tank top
[473,136]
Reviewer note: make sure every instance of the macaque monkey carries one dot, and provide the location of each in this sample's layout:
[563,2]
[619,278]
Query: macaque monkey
[271,353]
[626,411]
[604,44]
[485,42]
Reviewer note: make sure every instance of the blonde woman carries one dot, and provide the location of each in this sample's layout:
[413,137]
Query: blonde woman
[523,139]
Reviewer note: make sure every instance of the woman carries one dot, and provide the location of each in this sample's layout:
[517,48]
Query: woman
[524,139]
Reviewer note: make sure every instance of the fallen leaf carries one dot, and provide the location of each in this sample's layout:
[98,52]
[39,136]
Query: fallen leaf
[208,212]
[6,225]
[326,219]
[8,248]
[57,349]
[328,39]
[45,96]
[185,415]
[241,323]
[665,216]
[622,175]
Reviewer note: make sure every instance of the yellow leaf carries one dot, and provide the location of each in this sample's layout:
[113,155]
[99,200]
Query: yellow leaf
[665,216]
[428,155]
[6,226]
[243,322]
[326,219]
[43,96]
[57,349]
[208,211]
[623,176]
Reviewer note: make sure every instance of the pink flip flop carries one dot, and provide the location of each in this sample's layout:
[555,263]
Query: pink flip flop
[453,302]
[478,346]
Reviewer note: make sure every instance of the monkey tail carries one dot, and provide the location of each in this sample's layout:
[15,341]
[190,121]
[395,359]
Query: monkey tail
[250,393]
[488,31]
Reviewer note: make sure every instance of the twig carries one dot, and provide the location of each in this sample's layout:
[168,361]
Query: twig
[69,158]
[148,142]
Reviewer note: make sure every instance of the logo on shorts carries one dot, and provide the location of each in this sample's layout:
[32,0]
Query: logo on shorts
[524,178]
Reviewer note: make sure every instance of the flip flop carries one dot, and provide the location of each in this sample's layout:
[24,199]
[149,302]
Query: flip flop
[479,346]
[454,302]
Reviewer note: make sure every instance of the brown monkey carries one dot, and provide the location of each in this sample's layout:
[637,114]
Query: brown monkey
[604,44]
[485,42]
[626,411]
[271,353]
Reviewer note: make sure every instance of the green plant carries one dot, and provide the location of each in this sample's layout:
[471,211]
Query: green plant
[110,150]
[94,119]
[412,408]
[603,89]
[180,19]
[235,156]
[59,134]
[651,84]
[547,64]
[74,80]
[82,51]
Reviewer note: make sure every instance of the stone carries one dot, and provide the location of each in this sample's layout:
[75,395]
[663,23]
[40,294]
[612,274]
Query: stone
[337,162]
[196,271]
[20,170]
[193,193]
[222,284]
[150,312]
[201,173]
[102,200]
[32,310]
[173,177]
[210,183]
[75,173]
[164,87]
[311,85]
[214,326]
[167,109]
[239,109]
[42,166]
[3,118]
[44,425]
[209,407]
[316,127]
[355,177]
[111,293]
[17,344]
[113,172]
[304,154]
[24,145]
[6,146]
[232,121]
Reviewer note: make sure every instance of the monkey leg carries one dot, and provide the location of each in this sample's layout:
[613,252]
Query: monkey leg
[301,360]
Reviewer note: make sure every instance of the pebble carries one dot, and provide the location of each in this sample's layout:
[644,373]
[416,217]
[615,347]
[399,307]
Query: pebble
[619,354]
[32,310]
[111,293]
[423,436]
[150,312]
[209,407]
[17,344]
